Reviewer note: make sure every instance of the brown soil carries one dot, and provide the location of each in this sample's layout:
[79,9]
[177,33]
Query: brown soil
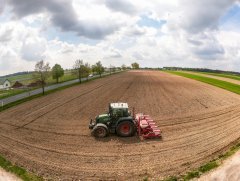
[50,135]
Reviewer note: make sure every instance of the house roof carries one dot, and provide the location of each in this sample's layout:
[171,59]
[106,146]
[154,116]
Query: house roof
[3,80]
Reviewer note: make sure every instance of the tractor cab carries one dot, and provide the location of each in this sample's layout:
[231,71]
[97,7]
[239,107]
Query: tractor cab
[118,110]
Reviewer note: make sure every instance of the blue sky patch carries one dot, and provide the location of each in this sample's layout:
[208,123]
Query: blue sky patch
[232,16]
[146,21]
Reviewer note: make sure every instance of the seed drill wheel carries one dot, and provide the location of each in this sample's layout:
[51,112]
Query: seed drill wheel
[125,129]
[99,132]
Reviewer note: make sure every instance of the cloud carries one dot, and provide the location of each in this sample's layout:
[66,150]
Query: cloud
[197,16]
[205,45]
[123,6]
[135,31]
[2,2]
[33,49]
[6,34]
[63,15]
[153,33]
[113,54]
[5,54]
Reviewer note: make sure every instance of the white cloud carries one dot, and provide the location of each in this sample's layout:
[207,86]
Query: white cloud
[191,36]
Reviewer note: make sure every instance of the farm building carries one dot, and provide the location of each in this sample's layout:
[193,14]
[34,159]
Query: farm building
[5,84]
[17,85]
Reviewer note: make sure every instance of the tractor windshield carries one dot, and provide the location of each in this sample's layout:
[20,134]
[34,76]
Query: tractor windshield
[123,112]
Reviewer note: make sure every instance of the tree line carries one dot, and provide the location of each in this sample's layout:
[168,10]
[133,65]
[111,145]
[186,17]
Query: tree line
[200,70]
[80,69]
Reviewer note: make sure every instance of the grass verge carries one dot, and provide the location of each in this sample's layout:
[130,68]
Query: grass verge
[19,171]
[218,83]
[8,93]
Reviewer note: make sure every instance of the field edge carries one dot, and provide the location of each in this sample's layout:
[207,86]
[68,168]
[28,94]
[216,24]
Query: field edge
[215,162]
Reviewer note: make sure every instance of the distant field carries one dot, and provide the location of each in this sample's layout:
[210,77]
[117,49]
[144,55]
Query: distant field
[218,83]
[28,78]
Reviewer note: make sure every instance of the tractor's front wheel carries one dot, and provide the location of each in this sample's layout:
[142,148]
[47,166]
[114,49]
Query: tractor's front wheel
[99,132]
[125,129]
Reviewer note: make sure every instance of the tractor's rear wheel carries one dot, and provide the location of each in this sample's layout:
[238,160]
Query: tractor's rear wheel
[125,129]
[99,132]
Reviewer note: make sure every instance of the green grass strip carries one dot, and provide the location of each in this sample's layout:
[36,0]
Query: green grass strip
[18,171]
[218,83]
[9,93]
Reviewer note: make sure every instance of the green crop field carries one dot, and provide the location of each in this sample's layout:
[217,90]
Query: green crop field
[28,78]
[67,76]
[218,83]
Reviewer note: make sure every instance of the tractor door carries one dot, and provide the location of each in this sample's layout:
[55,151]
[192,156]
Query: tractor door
[115,115]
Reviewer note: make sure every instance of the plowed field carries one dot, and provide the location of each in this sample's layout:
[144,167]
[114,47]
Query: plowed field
[50,135]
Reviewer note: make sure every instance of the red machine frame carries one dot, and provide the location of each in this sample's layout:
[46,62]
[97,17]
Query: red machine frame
[146,127]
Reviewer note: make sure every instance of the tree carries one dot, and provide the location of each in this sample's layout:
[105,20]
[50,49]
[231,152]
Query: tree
[42,72]
[98,68]
[124,67]
[112,69]
[57,72]
[79,69]
[86,70]
[135,65]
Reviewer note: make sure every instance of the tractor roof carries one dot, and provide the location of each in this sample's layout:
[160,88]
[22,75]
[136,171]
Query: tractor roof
[119,105]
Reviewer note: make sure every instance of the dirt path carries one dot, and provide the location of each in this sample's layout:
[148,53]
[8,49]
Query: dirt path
[50,135]
[216,77]
[230,170]
[6,176]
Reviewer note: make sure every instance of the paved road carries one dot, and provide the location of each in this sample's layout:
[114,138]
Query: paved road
[228,171]
[39,91]
[6,176]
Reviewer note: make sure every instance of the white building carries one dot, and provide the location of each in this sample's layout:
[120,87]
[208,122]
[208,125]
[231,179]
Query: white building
[5,84]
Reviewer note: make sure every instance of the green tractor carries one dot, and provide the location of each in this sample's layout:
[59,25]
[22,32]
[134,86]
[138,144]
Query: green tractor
[118,120]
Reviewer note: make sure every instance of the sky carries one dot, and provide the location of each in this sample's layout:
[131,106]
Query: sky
[154,33]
